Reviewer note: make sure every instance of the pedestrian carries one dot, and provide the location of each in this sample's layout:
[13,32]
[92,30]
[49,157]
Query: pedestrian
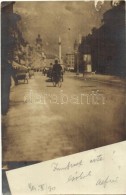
[57,68]
[44,71]
[57,71]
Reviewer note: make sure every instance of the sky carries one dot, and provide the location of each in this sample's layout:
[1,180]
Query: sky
[52,19]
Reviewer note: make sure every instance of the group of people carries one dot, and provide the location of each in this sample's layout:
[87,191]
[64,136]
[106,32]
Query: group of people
[56,70]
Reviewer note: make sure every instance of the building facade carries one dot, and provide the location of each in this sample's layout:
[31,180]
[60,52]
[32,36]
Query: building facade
[107,45]
[11,39]
[70,60]
[6,53]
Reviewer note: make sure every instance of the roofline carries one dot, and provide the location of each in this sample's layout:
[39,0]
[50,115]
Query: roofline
[6,3]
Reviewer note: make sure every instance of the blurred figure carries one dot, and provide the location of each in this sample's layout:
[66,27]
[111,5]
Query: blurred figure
[44,71]
[57,72]
[57,68]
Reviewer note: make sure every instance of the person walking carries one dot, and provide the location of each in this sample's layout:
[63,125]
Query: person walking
[57,72]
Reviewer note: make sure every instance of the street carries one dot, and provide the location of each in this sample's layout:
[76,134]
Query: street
[46,122]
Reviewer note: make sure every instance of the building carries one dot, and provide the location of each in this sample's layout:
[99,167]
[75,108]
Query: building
[6,52]
[11,39]
[70,60]
[6,30]
[107,45]
[78,57]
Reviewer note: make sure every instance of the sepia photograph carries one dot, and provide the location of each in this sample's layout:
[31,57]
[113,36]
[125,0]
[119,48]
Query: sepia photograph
[63,79]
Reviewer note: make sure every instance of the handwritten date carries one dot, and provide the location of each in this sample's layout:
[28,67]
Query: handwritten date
[42,187]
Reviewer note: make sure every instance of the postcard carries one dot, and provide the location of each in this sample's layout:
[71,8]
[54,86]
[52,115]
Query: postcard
[63,97]
[81,173]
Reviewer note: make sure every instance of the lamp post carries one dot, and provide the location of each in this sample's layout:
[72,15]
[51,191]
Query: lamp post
[77,54]
[60,54]
[76,51]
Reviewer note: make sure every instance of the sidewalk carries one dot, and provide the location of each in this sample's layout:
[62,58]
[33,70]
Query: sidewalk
[107,79]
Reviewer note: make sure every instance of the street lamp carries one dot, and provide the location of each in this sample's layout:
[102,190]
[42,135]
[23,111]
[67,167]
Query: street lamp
[77,73]
[76,51]
[60,55]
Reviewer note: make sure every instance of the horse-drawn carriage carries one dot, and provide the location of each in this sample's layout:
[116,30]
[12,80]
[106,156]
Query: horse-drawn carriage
[22,75]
